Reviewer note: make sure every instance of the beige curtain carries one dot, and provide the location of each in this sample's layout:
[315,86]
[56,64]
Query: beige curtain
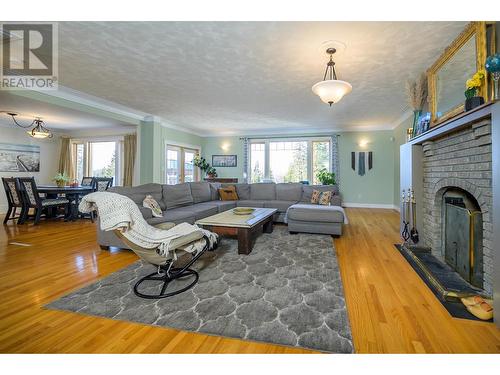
[66,158]
[129,151]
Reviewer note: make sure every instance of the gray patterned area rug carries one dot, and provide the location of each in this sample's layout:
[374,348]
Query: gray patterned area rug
[288,291]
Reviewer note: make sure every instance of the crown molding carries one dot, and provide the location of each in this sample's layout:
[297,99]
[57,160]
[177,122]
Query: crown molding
[85,100]
[286,132]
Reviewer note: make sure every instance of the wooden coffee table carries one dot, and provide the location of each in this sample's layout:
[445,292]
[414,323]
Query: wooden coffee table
[245,227]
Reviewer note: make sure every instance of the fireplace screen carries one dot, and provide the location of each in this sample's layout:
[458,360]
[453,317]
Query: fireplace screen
[463,240]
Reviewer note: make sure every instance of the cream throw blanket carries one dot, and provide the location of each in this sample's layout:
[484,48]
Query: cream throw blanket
[120,212]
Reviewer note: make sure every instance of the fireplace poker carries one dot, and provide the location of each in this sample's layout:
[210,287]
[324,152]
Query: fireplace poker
[404,233]
[413,205]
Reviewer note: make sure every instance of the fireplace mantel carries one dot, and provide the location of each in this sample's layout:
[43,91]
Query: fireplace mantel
[455,123]
[473,127]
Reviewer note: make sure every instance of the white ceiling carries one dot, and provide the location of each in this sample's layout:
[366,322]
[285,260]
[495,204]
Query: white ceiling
[250,77]
[55,117]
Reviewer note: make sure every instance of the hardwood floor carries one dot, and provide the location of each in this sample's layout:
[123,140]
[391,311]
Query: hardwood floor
[390,308]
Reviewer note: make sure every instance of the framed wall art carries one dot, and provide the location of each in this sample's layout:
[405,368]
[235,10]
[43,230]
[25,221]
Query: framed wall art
[219,161]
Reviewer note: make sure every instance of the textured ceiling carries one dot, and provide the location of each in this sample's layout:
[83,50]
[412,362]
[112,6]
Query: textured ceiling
[250,77]
[56,117]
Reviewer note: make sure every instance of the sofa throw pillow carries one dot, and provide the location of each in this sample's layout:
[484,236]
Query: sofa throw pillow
[315,196]
[152,204]
[228,193]
[325,197]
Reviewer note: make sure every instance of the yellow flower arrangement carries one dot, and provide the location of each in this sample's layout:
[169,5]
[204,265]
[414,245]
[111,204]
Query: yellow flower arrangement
[474,83]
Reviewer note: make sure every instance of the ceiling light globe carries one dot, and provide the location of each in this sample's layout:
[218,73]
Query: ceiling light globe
[331,91]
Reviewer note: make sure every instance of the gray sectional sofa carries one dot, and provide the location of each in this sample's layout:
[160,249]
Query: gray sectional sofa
[189,202]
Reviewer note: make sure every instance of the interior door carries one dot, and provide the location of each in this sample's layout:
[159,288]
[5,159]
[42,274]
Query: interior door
[189,172]
[173,172]
[180,167]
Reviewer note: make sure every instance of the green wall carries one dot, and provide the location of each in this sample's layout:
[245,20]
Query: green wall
[379,186]
[376,187]
[225,146]
[153,138]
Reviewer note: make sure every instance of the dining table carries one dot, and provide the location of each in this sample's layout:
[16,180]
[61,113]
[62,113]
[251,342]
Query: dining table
[72,193]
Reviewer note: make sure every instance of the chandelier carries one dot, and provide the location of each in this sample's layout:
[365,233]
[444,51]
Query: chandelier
[331,90]
[38,130]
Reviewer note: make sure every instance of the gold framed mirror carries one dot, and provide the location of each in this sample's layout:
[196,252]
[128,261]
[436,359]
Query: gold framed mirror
[447,76]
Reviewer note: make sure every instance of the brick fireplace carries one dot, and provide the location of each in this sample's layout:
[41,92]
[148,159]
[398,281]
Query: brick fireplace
[454,169]
[459,161]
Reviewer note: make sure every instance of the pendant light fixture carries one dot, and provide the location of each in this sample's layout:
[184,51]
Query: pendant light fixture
[39,130]
[331,90]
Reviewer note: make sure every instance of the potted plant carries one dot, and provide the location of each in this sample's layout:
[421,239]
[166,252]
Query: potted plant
[211,172]
[472,100]
[325,177]
[201,163]
[60,179]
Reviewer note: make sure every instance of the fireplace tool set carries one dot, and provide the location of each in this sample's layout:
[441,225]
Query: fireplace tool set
[409,216]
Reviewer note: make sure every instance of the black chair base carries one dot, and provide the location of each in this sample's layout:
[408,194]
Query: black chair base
[167,275]
[167,279]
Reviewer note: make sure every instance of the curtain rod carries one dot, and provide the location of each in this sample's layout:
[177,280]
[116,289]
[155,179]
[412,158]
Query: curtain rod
[296,136]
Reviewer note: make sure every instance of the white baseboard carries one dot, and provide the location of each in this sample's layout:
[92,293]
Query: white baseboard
[371,205]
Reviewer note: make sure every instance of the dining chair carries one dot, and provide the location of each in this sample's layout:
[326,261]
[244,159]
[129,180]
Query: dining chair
[88,181]
[102,183]
[14,200]
[32,199]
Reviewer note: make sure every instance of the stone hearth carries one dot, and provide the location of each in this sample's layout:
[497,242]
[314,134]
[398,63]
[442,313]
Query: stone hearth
[460,159]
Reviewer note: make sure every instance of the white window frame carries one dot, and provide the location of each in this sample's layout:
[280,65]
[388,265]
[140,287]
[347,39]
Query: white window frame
[267,153]
[86,153]
[181,145]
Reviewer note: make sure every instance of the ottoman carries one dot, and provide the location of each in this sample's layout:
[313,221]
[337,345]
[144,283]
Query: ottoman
[313,218]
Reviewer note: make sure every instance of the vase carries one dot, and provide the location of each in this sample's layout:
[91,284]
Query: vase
[475,101]
[60,184]
[496,78]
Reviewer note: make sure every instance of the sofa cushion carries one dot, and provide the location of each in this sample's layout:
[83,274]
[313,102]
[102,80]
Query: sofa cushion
[228,193]
[249,203]
[307,191]
[200,191]
[201,211]
[242,189]
[281,206]
[315,213]
[325,198]
[138,193]
[263,191]
[177,195]
[175,215]
[289,192]
[214,191]
[220,205]
[146,212]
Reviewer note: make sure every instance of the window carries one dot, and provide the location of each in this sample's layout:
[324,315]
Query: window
[289,160]
[98,158]
[179,164]
[320,158]
[103,159]
[257,164]
[78,157]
